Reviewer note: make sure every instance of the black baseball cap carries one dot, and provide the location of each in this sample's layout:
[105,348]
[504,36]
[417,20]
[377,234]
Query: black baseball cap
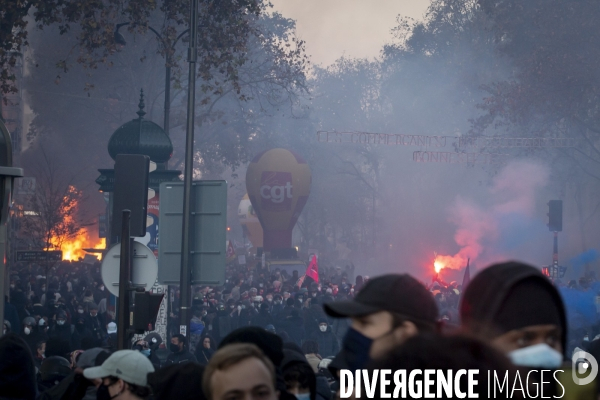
[399,294]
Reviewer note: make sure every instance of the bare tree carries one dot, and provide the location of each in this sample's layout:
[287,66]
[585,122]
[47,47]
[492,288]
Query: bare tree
[54,215]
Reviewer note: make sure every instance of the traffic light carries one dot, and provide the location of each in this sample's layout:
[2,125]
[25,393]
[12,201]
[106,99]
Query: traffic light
[131,193]
[146,310]
[555,208]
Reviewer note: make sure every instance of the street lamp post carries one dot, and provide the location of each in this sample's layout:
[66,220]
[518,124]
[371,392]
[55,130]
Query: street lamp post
[119,39]
[186,274]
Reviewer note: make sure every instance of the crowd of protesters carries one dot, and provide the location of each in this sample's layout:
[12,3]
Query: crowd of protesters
[271,335]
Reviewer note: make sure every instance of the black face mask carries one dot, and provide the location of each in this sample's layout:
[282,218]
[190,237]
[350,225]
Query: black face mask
[355,349]
[174,348]
[103,394]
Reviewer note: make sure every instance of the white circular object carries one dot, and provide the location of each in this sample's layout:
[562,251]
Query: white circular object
[144,268]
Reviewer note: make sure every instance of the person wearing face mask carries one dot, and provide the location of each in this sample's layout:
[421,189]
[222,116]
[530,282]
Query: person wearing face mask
[179,353]
[516,309]
[205,350]
[384,314]
[143,347]
[124,376]
[65,331]
[328,344]
[154,341]
[43,326]
[30,333]
[298,375]
[80,310]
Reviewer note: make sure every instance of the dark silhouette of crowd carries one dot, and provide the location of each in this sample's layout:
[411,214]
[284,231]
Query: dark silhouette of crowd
[283,336]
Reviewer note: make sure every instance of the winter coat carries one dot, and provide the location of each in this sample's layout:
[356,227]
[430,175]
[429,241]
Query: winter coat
[180,357]
[328,343]
[67,333]
[204,355]
[262,319]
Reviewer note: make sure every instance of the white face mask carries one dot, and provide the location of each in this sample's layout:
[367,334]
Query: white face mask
[323,328]
[303,396]
[539,355]
[42,322]
[60,322]
[80,311]
[27,331]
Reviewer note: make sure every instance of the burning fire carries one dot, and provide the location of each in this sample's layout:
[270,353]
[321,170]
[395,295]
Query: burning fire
[73,248]
[438,265]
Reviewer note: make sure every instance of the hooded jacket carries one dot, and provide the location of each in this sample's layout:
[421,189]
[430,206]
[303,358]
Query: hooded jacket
[328,343]
[487,292]
[17,370]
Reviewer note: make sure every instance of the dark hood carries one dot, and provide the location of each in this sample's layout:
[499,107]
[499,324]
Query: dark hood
[178,381]
[268,342]
[17,370]
[488,291]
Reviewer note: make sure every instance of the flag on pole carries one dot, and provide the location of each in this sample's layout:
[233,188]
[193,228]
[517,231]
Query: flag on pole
[230,250]
[465,282]
[466,276]
[300,281]
[312,270]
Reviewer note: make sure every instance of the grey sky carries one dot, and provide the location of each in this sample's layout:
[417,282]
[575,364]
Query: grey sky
[355,28]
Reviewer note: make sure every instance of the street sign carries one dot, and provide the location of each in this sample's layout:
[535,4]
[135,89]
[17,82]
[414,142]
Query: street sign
[208,231]
[39,255]
[25,185]
[144,268]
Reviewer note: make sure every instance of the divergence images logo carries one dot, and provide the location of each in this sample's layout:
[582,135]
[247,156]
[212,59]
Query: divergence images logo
[276,191]
[582,361]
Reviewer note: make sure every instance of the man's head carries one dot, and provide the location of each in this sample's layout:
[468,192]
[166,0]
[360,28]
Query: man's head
[125,371]
[177,343]
[28,325]
[323,325]
[239,370]
[40,349]
[445,353]
[385,313]
[515,307]
[93,309]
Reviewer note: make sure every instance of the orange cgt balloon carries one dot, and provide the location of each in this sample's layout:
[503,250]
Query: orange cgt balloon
[250,223]
[278,184]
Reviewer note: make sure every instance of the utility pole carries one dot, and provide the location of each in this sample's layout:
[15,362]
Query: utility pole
[123,320]
[185,283]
